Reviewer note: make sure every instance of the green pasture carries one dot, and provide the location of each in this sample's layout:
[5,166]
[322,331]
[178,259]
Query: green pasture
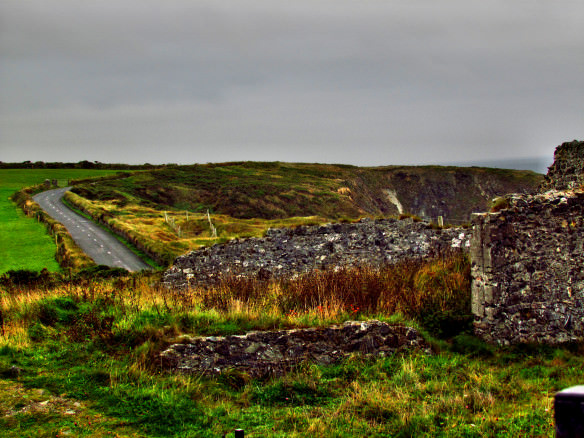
[24,242]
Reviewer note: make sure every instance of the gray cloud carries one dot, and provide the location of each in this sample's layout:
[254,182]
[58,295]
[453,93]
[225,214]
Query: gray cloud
[371,82]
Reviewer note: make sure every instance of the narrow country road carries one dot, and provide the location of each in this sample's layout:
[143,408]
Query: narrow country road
[97,243]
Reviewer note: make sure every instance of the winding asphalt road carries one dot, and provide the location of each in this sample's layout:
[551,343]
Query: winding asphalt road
[97,243]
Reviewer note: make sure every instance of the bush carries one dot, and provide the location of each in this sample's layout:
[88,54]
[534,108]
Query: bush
[58,311]
[101,271]
[37,332]
[447,324]
[80,320]
[435,292]
[471,345]
[26,278]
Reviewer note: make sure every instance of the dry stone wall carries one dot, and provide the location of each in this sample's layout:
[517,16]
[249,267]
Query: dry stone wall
[261,354]
[286,253]
[528,261]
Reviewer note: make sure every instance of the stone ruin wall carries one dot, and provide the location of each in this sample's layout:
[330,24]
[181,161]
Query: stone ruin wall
[269,353]
[567,171]
[528,261]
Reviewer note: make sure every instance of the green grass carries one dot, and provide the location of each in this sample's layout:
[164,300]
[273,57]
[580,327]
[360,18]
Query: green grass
[448,395]
[25,243]
[85,361]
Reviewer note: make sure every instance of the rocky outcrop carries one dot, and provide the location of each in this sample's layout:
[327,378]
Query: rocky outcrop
[567,171]
[527,259]
[286,253]
[261,354]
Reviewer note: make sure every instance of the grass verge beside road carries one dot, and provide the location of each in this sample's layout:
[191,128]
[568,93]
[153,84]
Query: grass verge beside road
[24,241]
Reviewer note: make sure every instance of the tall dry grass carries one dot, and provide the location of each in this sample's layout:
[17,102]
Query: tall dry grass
[412,288]
[435,292]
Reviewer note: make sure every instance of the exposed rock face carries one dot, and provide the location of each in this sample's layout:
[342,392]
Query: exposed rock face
[262,354]
[432,191]
[528,259]
[285,253]
[567,172]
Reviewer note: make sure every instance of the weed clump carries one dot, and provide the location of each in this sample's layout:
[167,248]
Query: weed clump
[499,204]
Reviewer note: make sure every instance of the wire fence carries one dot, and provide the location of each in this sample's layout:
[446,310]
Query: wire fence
[441,220]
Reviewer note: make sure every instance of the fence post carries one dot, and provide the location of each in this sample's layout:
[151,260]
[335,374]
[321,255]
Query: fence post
[440,221]
[213,229]
[569,412]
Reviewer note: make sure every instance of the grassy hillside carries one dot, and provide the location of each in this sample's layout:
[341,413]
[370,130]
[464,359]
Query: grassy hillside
[163,211]
[25,243]
[280,190]
[78,356]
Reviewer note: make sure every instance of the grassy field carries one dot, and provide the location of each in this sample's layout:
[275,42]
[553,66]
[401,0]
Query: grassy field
[25,243]
[79,359]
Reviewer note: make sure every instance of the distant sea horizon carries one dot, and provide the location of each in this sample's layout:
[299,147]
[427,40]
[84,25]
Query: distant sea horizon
[537,164]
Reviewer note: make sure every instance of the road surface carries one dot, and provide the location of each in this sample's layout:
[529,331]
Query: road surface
[97,243]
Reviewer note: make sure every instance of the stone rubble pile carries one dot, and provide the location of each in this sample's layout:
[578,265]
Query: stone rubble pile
[286,253]
[272,353]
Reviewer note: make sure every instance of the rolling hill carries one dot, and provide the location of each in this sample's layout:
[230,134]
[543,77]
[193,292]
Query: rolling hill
[278,190]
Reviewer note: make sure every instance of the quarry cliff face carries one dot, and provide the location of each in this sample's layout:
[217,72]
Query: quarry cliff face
[281,190]
[432,191]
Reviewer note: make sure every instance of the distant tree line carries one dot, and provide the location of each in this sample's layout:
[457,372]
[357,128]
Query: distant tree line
[80,165]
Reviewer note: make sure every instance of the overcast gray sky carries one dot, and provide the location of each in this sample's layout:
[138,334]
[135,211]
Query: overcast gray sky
[368,82]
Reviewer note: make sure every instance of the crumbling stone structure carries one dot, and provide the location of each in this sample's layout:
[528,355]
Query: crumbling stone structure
[528,261]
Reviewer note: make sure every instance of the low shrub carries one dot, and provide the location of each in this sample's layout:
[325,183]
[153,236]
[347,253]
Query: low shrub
[471,345]
[435,292]
[499,204]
